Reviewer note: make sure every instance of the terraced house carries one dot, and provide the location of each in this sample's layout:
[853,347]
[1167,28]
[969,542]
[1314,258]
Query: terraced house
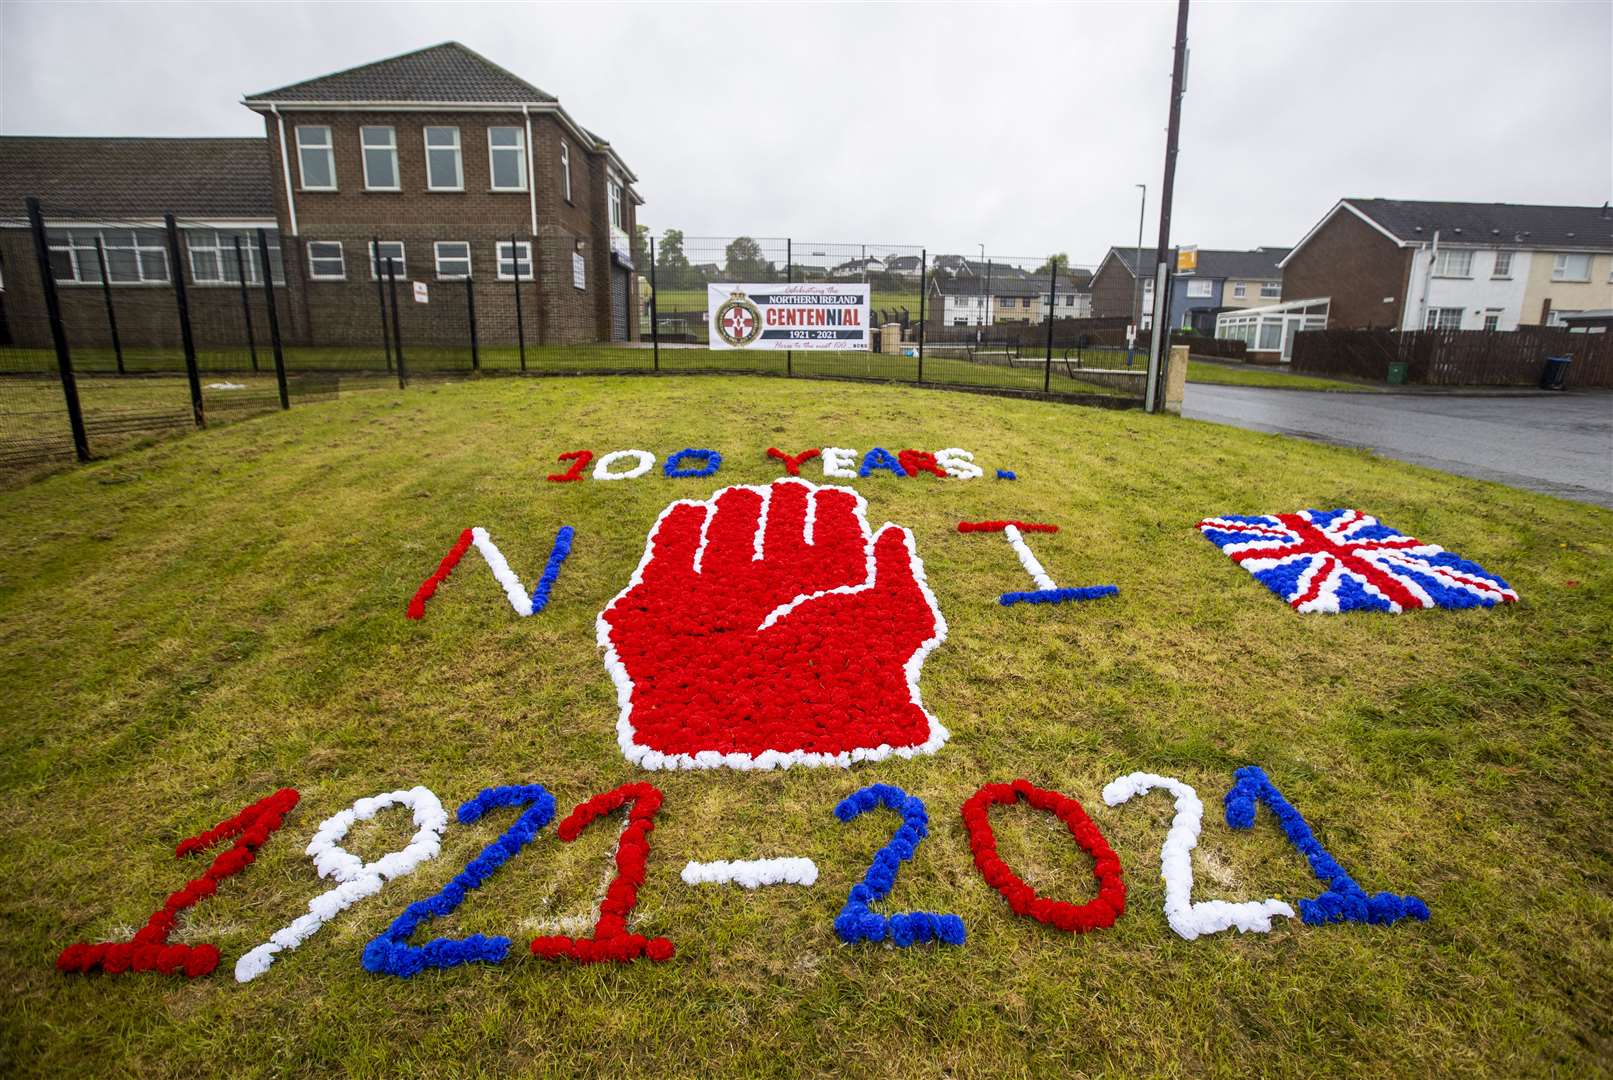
[436,166]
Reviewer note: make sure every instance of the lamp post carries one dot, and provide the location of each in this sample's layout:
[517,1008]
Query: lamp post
[1137,277]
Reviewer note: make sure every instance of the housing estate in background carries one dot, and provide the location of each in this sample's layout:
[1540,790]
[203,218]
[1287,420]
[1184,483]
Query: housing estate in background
[456,167]
[1405,265]
[1221,280]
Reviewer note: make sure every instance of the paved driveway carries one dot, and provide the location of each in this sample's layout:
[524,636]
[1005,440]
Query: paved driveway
[1560,444]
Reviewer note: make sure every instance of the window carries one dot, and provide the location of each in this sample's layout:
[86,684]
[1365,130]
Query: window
[514,260]
[1503,265]
[444,169]
[391,260]
[1069,301]
[453,259]
[1271,335]
[1271,290]
[1453,262]
[506,158]
[565,170]
[325,260]
[616,216]
[1443,318]
[1239,290]
[215,261]
[1492,319]
[133,256]
[1199,288]
[315,161]
[1569,266]
[380,158]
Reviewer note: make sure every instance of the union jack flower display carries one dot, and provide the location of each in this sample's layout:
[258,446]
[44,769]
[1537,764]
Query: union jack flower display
[1344,560]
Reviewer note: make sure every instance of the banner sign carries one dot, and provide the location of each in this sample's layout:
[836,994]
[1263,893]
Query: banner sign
[811,315]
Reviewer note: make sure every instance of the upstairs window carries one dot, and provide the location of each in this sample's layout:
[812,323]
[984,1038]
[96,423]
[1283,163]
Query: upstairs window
[380,158]
[1239,291]
[1453,262]
[325,261]
[616,215]
[1566,266]
[1270,290]
[391,260]
[453,260]
[514,260]
[1503,265]
[565,170]
[506,158]
[214,259]
[444,169]
[315,160]
[1199,288]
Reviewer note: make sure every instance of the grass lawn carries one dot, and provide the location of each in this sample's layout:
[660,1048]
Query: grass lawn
[1229,375]
[191,625]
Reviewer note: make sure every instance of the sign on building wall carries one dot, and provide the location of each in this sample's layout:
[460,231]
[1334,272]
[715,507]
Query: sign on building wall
[806,316]
[421,295]
[579,271]
[1187,258]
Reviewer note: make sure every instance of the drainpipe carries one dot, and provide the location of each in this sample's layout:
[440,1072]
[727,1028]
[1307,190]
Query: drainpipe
[285,168]
[1428,283]
[531,179]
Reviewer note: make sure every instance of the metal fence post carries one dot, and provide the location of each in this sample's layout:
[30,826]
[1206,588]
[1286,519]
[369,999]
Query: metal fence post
[246,304]
[655,311]
[274,318]
[183,303]
[58,332]
[111,313]
[380,298]
[924,289]
[470,313]
[397,333]
[515,272]
[1052,309]
[789,277]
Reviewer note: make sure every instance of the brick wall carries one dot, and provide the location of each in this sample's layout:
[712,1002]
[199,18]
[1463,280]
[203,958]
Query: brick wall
[1356,267]
[1112,291]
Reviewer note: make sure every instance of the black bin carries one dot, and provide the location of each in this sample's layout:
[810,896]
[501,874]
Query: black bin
[1555,373]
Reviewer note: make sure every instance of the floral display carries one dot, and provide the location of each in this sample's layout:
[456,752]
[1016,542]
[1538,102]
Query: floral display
[1004,474]
[1002,526]
[767,627]
[914,462]
[551,569]
[1343,560]
[1344,900]
[880,458]
[710,460]
[839,463]
[579,461]
[611,940]
[1188,919]
[150,950]
[358,879]
[751,873]
[856,922]
[390,952]
[643,458]
[1047,590]
[428,587]
[514,591]
[792,464]
[1102,911]
[959,464]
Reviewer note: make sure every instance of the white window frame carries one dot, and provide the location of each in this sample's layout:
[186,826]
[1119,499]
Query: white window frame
[401,259]
[1559,266]
[618,211]
[565,170]
[220,245]
[459,156]
[340,256]
[1239,290]
[1436,318]
[328,148]
[1271,290]
[438,259]
[390,147]
[1492,319]
[79,246]
[521,250]
[1502,270]
[1200,288]
[519,150]
[1445,257]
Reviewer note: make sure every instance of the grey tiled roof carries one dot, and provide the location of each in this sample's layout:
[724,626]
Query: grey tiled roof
[440,73]
[1260,263]
[1509,225]
[141,177]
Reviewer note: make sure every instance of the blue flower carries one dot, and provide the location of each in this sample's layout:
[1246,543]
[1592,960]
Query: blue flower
[713,462]
[855,921]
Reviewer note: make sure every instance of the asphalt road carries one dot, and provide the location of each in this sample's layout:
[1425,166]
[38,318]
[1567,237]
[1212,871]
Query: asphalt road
[1559,444]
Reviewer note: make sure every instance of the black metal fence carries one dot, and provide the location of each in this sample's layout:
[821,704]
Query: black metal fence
[114,331]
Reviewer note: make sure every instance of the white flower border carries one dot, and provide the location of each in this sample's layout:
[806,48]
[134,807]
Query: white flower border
[358,878]
[752,873]
[646,758]
[1027,559]
[646,462]
[1188,919]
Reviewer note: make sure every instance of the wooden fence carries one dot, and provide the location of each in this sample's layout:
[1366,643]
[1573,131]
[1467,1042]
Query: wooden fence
[1457,357]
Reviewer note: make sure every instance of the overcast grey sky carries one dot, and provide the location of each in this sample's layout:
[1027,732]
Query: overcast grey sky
[1024,127]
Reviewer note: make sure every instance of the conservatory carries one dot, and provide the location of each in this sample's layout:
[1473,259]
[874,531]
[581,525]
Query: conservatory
[1270,330]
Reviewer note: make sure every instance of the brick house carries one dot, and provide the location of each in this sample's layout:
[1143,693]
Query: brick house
[454,166]
[958,300]
[1222,279]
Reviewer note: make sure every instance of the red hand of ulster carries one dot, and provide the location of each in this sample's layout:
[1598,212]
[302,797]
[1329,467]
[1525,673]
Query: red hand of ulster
[767,627]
